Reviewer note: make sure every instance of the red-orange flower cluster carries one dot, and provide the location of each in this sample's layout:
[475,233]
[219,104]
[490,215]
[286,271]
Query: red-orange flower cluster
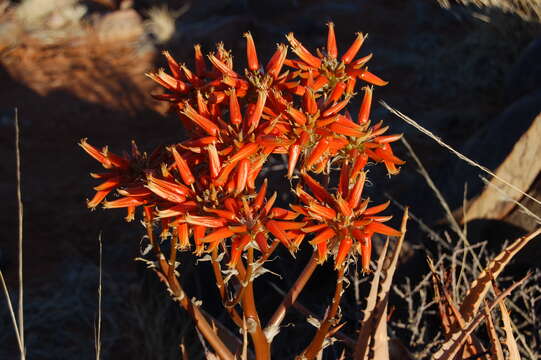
[203,190]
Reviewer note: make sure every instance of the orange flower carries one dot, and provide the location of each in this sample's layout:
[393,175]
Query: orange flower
[342,221]
[124,175]
[327,68]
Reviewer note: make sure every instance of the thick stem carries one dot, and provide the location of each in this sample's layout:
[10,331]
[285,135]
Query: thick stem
[317,342]
[220,284]
[261,345]
[179,295]
[293,293]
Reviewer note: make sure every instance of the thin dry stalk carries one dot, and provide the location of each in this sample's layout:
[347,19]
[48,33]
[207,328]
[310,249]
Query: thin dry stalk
[317,342]
[97,338]
[454,224]
[292,295]
[507,198]
[20,215]
[462,157]
[12,313]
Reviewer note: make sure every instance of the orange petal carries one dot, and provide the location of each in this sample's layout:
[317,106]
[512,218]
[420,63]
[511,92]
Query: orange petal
[183,168]
[336,108]
[251,54]
[383,229]
[350,54]
[364,111]
[319,191]
[258,201]
[261,241]
[222,67]
[355,194]
[309,102]
[344,207]
[214,161]
[275,230]
[343,251]
[123,202]
[336,93]
[178,210]
[343,183]
[302,52]
[346,130]
[314,228]
[323,236]
[370,78]
[200,67]
[206,221]
[322,252]
[277,61]
[173,65]
[110,184]
[242,175]
[317,152]
[226,214]
[234,109]
[282,214]
[254,117]
[210,127]
[322,211]
[294,153]
[98,198]
[219,234]
[332,50]
[183,236]
[359,164]
[244,152]
[376,209]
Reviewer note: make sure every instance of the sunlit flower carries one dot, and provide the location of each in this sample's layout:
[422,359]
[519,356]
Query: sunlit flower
[326,68]
[342,223]
[126,174]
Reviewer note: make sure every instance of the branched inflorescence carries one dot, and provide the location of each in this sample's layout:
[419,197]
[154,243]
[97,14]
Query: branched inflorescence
[203,191]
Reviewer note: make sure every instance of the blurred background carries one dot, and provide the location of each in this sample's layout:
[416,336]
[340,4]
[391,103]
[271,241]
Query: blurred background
[468,70]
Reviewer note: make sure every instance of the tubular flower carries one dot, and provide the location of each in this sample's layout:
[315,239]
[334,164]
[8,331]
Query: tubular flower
[202,191]
[342,223]
[240,219]
[326,68]
[125,174]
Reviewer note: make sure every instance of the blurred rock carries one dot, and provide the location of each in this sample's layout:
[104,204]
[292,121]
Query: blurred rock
[120,25]
[510,146]
[525,76]
[520,167]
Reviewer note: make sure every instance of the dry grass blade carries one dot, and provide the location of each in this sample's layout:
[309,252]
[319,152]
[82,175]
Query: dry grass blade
[510,341]
[20,218]
[495,345]
[434,188]
[507,198]
[11,312]
[376,323]
[98,325]
[452,319]
[481,285]
[453,151]
[363,340]
[451,347]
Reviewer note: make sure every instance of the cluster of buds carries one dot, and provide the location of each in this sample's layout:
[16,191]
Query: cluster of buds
[205,193]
